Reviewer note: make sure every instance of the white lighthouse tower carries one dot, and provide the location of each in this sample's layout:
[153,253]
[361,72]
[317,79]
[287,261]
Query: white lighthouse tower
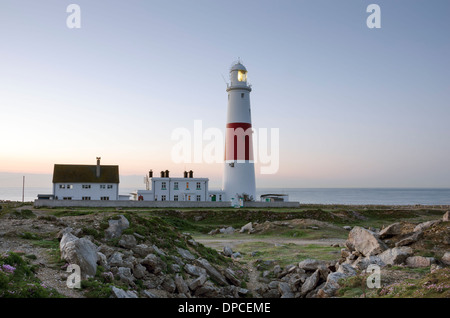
[239,173]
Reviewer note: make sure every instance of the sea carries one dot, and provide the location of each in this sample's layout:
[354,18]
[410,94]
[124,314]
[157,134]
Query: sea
[351,196]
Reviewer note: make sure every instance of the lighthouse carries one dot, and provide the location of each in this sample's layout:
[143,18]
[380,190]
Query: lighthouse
[239,170]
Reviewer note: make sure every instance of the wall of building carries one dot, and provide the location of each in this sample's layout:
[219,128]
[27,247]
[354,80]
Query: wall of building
[77,192]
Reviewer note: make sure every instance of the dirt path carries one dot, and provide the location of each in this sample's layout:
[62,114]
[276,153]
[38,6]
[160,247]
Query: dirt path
[219,243]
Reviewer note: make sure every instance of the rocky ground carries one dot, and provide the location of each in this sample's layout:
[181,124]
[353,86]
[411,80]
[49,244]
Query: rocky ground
[128,255]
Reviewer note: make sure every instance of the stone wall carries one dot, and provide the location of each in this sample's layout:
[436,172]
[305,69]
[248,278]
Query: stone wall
[157,204]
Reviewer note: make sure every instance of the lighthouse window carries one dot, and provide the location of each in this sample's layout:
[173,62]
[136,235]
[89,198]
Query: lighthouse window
[242,76]
[242,95]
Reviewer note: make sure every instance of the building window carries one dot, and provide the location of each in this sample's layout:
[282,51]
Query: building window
[85,198]
[163,186]
[104,198]
[189,198]
[220,197]
[110,186]
[242,95]
[163,198]
[199,186]
[187,185]
[62,186]
[86,186]
[102,186]
[175,197]
[199,197]
[67,198]
[175,185]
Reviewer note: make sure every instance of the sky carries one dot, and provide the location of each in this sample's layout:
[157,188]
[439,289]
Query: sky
[355,106]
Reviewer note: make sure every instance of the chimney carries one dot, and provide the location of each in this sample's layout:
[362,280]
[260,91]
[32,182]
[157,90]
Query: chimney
[162,174]
[150,174]
[191,174]
[97,172]
[185,174]
[166,173]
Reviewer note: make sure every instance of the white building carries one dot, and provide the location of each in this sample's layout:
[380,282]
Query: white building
[187,188]
[85,182]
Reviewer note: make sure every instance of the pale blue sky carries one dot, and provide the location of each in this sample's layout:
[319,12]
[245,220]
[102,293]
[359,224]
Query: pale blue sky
[356,107]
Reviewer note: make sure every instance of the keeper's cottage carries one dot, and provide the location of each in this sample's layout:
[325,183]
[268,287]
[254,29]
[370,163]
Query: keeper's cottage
[85,182]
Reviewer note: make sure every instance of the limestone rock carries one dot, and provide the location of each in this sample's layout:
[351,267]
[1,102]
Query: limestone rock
[194,270]
[198,282]
[81,252]
[227,251]
[181,285]
[446,217]
[116,227]
[396,255]
[311,264]
[426,225]
[212,272]
[310,283]
[446,258]
[285,290]
[364,241]
[153,264]
[185,253]
[127,241]
[120,293]
[391,230]
[246,228]
[419,261]
[412,238]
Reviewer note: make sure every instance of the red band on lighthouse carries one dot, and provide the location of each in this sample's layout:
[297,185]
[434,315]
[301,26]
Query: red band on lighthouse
[238,142]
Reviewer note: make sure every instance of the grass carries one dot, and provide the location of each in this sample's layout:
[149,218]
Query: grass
[18,280]
[286,254]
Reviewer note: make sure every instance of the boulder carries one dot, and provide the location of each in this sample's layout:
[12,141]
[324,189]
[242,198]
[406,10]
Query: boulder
[228,230]
[331,285]
[347,270]
[181,285]
[446,217]
[392,230]
[425,225]
[246,228]
[419,261]
[310,283]
[230,275]
[363,262]
[120,293]
[285,290]
[194,270]
[311,264]
[212,272]
[116,227]
[198,282]
[396,255]
[185,253]
[168,285]
[227,251]
[364,241]
[125,275]
[412,238]
[116,259]
[81,252]
[142,250]
[127,241]
[153,264]
[139,271]
[446,258]
[346,227]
